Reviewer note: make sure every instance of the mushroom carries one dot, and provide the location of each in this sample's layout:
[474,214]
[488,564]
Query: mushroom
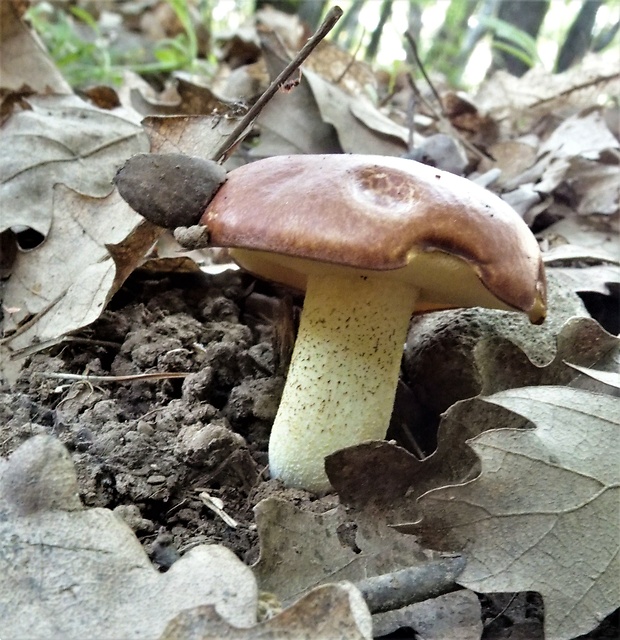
[371,240]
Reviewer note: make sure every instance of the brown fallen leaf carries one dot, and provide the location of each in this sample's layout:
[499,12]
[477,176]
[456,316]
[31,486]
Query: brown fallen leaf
[597,278]
[566,254]
[192,135]
[513,157]
[593,186]
[518,103]
[609,378]
[398,476]
[329,612]
[24,63]
[291,123]
[361,127]
[594,233]
[341,68]
[60,139]
[585,135]
[92,246]
[73,573]
[300,550]
[542,514]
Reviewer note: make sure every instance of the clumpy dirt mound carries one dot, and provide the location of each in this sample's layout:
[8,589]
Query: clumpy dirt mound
[164,451]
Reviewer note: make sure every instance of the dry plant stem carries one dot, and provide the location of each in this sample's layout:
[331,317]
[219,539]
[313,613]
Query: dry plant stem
[395,590]
[353,58]
[342,380]
[334,14]
[414,50]
[98,379]
[440,115]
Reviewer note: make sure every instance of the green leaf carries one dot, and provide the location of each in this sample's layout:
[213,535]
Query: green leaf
[519,39]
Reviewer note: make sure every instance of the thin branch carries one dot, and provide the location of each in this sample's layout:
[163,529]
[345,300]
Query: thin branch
[416,55]
[331,18]
[398,589]
[352,59]
[99,379]
[440,115]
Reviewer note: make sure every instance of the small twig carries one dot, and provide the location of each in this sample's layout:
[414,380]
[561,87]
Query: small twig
[398,589]
[217,506]
[331,18]
[439,115]
[420,96]
[127,378]
[563,94]
[411,109]
[35,318]
[352,60]
[488,623]
[416,55]
[92,341]
[175,508]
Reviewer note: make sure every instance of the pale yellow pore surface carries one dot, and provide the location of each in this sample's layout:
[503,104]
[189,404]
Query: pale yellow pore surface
[342,379]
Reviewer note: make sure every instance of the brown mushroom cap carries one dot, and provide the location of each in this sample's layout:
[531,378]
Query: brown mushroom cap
[458,243]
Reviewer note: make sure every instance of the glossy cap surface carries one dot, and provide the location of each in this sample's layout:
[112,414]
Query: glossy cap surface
[458,243]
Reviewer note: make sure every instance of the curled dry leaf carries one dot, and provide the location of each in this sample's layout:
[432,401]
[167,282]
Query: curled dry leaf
[540,92]
[192,135]
[594,279]
[566,254]
[300,550]
[593,186]
[399,477]
[579,159]
[24,63]
[60,140]
[361,127]
[609,378]
[542,514]
[63,285]
[57,162]
[341,68]
[591,233]
[291,123]
[325,613]
[73,573]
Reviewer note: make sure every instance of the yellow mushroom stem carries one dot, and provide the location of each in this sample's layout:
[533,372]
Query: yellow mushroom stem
[343,375]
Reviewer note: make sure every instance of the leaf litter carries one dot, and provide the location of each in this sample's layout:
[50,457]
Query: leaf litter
[151,450]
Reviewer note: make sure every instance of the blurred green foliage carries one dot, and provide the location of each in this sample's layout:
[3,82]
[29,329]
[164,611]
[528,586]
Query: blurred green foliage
[87,53]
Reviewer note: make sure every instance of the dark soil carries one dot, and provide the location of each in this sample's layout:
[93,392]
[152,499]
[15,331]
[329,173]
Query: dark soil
[150,448]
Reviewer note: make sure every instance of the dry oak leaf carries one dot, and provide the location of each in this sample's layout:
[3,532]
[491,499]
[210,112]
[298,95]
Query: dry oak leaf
[520,102]
[73,573]
[291,123]
[543,513]
[93,244]
[57,162]
[24,62]
[361,127]
[398,477]
[330,612]
[192,135]
[60,139]
[300,550]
